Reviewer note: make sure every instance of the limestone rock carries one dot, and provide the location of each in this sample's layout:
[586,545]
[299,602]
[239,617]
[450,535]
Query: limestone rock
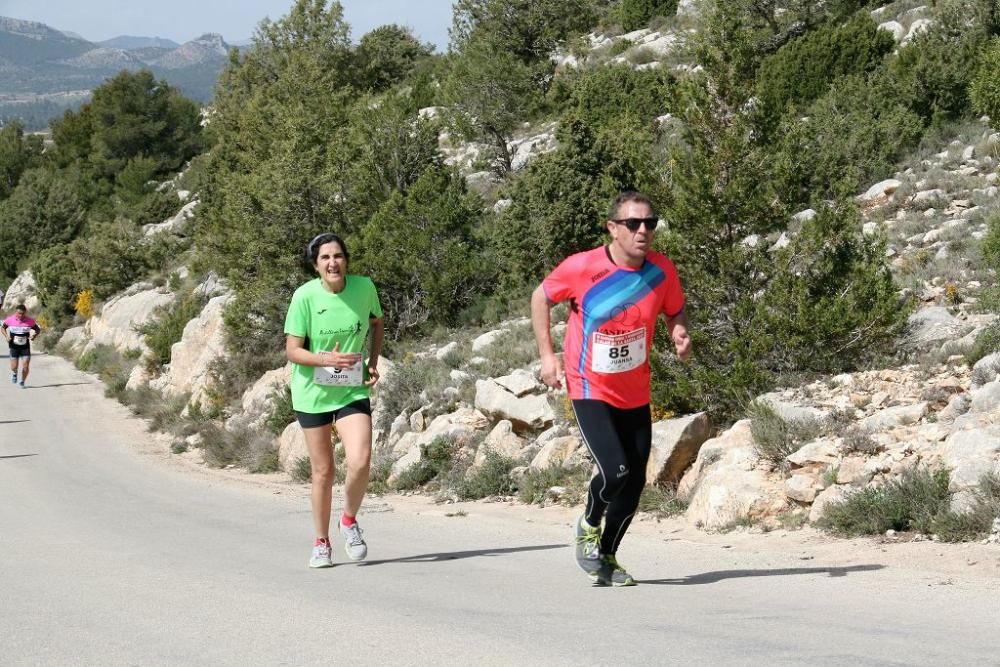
[986,399]
[817,451]
[852,471]
[972,452]
[190,358]
[115,324]
[174,225]
[802,487]
[723,486]
[933,326]
[675,447]
[257,402]
[519,383]
[528,412]
[487,339]
[291,446]
[22,290]
[901,415]
[501,440]
[827,497]
[556,451]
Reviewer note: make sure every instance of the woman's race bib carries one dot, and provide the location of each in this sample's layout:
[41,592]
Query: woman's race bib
[331,376]
[618,353]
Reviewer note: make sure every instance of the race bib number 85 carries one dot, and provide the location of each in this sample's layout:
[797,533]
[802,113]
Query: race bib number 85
[617,354]
[331,376]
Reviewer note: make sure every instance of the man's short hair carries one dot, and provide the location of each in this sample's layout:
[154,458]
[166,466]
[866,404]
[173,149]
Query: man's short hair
[627,196]
[21,306]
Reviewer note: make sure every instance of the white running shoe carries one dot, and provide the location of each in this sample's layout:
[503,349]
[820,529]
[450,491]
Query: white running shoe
[322,556]
[354,544]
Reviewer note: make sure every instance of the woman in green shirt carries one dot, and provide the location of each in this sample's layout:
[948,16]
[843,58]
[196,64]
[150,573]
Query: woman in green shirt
[327,326]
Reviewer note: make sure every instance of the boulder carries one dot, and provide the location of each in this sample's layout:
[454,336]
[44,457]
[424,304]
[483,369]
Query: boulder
[556,451]
[73,339]
[22,290]
[827,497]
[723,486]
[900,415]
[675,447]
[854,471]
[933,326]
[116,323]
[894,27]
[986,399]
[291,446]
[191,358]
[818,451]
[519,383]
[802,487]
[971,452]
[881,190]
[501,440]
[174,225]
[257,402]
[527,412]
[487,339]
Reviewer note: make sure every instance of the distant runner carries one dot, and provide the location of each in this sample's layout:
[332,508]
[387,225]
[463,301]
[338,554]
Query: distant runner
[19,330]
[326,329]
[615,293]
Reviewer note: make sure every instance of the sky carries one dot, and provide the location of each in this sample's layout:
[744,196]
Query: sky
[235,20]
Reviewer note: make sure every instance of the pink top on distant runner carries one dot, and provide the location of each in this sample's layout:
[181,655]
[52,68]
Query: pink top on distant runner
[19,330]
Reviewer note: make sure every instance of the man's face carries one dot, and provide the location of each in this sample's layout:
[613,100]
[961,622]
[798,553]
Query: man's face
[20,314]
[633,244]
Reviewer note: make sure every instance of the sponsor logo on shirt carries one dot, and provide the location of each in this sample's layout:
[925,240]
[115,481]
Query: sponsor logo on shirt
[353,329]
[597,276]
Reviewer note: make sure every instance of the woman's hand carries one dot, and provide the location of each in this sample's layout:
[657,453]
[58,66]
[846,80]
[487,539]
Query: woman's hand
[373,375]
[339,359]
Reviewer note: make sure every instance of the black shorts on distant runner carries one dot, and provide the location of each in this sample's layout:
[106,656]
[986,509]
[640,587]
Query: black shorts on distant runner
[20,351]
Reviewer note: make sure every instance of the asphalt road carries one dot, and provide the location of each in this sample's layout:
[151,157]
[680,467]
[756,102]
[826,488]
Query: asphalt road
[113,553]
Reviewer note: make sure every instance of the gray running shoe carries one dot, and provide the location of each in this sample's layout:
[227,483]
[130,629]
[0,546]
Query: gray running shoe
[13,378]
[321,556]
[587,547]
[611,573]
[354,545]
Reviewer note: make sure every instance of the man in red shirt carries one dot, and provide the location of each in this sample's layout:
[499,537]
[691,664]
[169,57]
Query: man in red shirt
[615,293]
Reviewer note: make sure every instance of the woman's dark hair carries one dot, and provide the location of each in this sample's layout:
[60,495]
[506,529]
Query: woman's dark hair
[312,250]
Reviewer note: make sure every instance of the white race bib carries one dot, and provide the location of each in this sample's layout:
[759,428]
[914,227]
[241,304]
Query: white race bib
[331,376]
[619,353]
[19,339]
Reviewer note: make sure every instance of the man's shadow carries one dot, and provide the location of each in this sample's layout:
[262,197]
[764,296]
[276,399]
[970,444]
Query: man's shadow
[17,456]
[15,421]
[61,384]
[722,575]
[457,555]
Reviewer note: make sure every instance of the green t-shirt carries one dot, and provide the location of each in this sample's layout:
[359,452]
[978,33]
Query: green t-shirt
[323,319]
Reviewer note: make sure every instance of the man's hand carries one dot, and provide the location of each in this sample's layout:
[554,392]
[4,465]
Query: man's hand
[552,371]
[682,342]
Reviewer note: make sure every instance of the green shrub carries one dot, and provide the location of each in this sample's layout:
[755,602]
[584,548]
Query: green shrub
[601,95]
[379,475]
[661,502]
[301,469]
[985,89]
[775,438]
[533,487]
[853,134]
[489,480]
[978,520]
[437,458]
[932,74]
[803,69]
[986,344]
[635,14]
[912,502]
[401,392]
[282,414]
[167,325]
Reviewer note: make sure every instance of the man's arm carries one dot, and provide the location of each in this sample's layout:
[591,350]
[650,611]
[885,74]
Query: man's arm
[677,326]
[541,322]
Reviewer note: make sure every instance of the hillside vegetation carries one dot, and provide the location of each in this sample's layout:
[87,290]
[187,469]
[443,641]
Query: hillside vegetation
[761,110]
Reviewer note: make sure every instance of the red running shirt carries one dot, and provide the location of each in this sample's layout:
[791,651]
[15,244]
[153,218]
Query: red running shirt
[613,312]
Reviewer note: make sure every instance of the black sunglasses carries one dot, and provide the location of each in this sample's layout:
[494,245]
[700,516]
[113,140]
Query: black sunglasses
[633,224]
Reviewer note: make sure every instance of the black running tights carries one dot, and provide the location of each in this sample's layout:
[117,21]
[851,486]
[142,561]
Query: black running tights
[619,440]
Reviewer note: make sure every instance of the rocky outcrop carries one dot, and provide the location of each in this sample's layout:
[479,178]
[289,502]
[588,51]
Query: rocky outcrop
[116,322]
[676,443]
[529,412]
[202,343]
[22,290]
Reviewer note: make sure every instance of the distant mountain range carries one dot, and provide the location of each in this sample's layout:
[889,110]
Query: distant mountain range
[44,71]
